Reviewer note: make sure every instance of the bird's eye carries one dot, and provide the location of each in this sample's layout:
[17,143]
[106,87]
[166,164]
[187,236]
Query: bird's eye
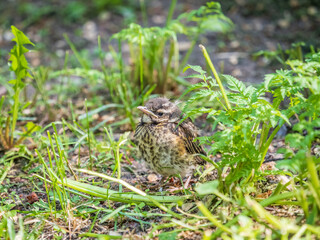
[160,114]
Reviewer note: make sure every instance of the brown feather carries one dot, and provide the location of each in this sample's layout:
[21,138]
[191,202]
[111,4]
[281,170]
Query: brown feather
[188,132]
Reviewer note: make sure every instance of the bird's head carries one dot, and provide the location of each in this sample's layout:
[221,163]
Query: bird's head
[158,110]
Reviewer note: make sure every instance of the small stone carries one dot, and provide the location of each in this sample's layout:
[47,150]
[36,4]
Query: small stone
[235,44]
[284,23]
[90,31]
[312,10]
[233,60]
[152,178]
[158,19]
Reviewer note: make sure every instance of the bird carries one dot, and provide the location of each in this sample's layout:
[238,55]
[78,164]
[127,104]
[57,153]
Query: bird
[165,142]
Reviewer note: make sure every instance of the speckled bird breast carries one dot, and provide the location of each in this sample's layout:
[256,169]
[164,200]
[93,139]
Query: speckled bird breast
[163,150]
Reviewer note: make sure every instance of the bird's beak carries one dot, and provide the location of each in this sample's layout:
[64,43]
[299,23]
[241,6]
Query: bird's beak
[147,111]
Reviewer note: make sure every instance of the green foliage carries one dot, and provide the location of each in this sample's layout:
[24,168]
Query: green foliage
[296,53]
[19,66]
[306,74]
[31,16]
[150,43]
[154,51]
[238,141]
[7,230]
[73,11]
[305,138]
[245,132]
[207,18]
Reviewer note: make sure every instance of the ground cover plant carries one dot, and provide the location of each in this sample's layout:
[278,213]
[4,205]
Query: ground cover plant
[77,174]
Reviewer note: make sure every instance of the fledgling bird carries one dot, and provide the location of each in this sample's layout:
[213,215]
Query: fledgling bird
[167,146]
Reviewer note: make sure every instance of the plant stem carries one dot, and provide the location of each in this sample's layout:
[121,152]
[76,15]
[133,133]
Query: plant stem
[15,110]
[166,73]
[207,57]
[132,188]
[212,218]
[88,136]
[265,147]
[80,59]
[315,182]
[263,203]
[141,64]
[171,11]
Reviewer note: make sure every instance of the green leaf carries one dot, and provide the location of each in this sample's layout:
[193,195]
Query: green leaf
[20,37]
[13,81]
[195,76]
[207,188]
[295,140]
[195,68]
[32,127]
[10,227]
[234,84]
[204,93]
[194,87]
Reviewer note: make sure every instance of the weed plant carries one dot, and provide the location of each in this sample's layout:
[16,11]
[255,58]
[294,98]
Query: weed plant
[12,138]
[19,66]
[249,123]
[158,60]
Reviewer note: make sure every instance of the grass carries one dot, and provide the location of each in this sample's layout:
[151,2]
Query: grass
[84,170]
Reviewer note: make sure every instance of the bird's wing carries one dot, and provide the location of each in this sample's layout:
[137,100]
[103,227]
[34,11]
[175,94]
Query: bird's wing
[188,132]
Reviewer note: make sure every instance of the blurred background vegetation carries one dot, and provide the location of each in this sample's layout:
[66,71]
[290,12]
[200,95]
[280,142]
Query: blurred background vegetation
[46,21]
